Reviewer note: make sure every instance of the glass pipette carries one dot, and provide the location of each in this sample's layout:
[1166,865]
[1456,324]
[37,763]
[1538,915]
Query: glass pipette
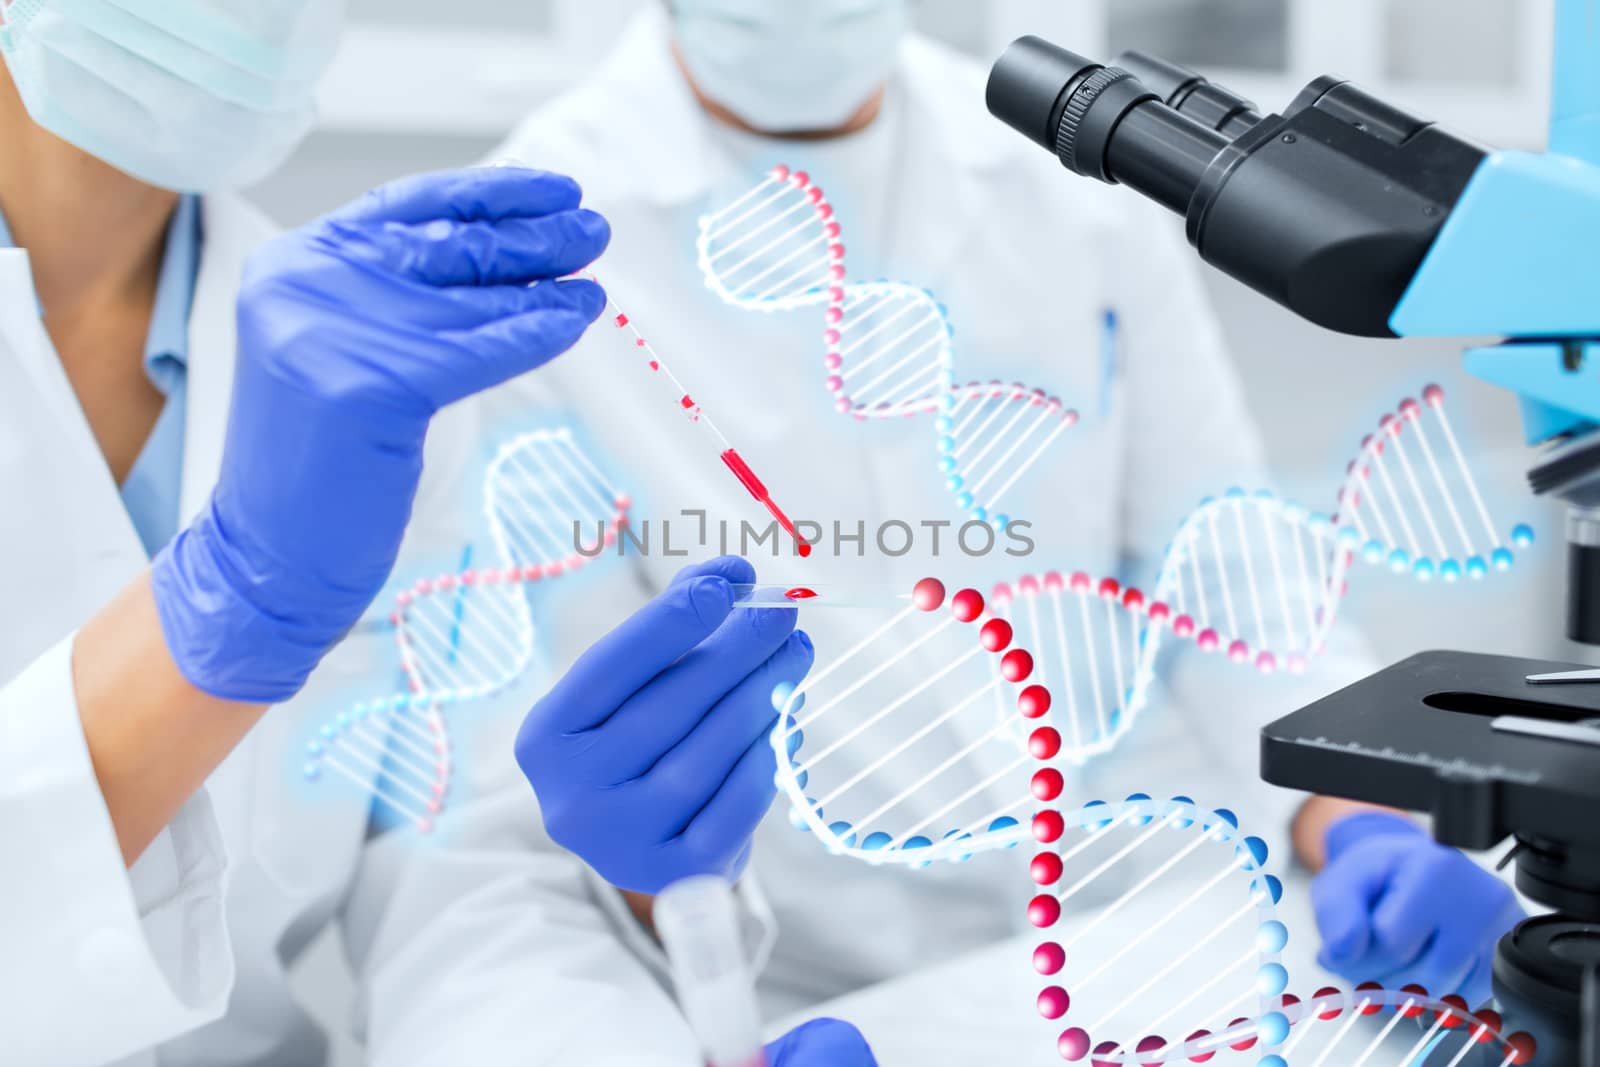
[695,413]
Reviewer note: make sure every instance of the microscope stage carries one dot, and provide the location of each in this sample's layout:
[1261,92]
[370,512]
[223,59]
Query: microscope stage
[1462,737]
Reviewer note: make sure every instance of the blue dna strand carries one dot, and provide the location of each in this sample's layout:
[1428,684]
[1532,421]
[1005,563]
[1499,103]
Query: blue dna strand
[468,635]
[888,346]
[1257,578]
[1180,960]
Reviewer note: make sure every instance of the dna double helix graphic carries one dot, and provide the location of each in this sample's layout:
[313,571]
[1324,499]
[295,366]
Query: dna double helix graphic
[891,772]
[468,635]
[1183,961]
[888,346]
[1258,578]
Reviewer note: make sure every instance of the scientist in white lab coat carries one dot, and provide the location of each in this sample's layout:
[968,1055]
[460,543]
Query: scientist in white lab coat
[175,567]
[698,101]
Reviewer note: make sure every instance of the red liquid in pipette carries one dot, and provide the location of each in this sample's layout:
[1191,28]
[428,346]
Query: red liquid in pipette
[747,477]
[735,462]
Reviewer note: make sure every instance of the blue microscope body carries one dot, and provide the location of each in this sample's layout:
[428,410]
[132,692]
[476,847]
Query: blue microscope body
[1517,258]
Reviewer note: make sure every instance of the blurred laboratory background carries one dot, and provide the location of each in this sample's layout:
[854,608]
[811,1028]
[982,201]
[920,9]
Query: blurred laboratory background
[410,92]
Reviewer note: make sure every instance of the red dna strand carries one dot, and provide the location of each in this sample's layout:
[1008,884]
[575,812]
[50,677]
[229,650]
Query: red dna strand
[1257,578]
[1182,962]
[888,346]
[469,634]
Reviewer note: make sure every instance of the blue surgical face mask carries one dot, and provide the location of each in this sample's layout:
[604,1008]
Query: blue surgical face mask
[193,95]
[786,66]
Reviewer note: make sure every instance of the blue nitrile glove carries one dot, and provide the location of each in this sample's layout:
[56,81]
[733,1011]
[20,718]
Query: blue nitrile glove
[821,1043]
[1395,906]
[353,332]
[650,757]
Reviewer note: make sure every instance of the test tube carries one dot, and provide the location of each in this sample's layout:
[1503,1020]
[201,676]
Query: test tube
[697,922]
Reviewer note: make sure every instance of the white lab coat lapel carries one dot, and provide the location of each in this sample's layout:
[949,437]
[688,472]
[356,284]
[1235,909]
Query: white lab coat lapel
[232,229]
[33,355]
[66,533]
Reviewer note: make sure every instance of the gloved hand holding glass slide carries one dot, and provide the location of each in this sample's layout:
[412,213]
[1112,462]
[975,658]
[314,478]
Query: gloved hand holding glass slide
[650,758]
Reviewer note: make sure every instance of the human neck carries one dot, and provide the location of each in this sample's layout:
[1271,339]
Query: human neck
[94,235]
[863,117]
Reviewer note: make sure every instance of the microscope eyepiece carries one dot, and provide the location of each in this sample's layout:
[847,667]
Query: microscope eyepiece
[1102,122]
[1030,86]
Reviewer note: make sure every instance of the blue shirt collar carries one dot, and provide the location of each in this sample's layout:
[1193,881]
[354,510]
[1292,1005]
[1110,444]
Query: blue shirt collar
[166,349]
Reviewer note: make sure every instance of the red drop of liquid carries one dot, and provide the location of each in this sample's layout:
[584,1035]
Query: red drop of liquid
[687,401]
[654,365]
[801,593]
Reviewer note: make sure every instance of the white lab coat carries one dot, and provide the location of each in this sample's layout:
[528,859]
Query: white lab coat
[460,942]
[1026,258]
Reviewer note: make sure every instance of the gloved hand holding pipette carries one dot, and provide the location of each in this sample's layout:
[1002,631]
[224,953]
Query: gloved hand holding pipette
[650,757]
[353,333]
